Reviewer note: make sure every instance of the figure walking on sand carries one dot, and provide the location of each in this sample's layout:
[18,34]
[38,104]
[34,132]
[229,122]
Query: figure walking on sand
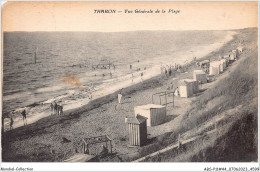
[11,123]
[24,117]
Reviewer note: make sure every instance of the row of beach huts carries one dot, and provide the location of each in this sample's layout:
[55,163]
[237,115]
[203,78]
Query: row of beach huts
[155,114]
[150,115]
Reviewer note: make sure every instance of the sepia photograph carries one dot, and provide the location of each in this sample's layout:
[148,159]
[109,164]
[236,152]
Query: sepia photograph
[121,81]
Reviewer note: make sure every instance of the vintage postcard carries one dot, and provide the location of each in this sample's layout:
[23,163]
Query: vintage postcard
[129,82]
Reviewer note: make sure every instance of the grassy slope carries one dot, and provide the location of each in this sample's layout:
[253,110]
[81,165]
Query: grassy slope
[236,139]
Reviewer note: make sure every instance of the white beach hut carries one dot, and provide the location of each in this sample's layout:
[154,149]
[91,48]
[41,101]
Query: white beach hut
[240,49]
[155,114]
[227,58]
[224,63]
[221,67]
[234,51]
[214,68]
[185,88]
[232,56]
[195,85]
[200,76]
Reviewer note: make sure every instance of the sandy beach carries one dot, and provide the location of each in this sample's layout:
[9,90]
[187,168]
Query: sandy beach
[42,140]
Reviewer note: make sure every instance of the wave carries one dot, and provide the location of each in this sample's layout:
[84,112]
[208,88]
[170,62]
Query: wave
[49,89]
[13,96]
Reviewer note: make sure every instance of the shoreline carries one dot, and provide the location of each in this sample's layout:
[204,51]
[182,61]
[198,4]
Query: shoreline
[104,94]
[100,117]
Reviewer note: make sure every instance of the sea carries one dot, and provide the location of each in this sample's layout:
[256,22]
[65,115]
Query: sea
[42,67]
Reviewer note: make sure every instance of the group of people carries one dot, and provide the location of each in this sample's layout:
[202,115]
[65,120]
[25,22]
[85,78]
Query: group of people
[56,109]
[23,113]
[169,70]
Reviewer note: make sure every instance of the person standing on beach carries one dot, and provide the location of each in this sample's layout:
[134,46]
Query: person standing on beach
[24,117]
[61,109]
[58,110]
[130,66]
[52,108]
[90,96]
[55,107]
[142,74]
[11,123]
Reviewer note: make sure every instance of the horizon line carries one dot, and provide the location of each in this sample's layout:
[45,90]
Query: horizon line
[139,30]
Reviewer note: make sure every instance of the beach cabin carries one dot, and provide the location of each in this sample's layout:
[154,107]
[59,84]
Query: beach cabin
[195,85]
[221,67]
[155,114]
[200,76]
[137,130]
[224,63]
[185,88]
[214,68]
[240,49]
[234,51]
[227,57]
[232,57]
[234,54]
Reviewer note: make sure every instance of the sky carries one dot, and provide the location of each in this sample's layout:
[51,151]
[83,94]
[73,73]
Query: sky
[80,16]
